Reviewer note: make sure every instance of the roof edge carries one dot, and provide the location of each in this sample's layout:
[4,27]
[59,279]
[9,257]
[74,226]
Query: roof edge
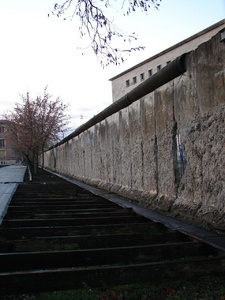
[215,25]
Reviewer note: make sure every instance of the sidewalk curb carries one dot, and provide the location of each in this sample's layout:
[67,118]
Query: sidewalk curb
[6,198]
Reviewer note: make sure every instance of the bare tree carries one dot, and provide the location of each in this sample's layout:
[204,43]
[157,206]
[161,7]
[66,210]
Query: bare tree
[35,125]
[102,31]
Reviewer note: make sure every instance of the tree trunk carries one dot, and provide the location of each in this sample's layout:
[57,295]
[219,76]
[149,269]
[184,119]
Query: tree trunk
[42,158]
[35,161]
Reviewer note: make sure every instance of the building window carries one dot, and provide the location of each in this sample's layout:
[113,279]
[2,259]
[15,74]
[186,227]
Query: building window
[127,83]
[134,80]
[158,68]
[2,143]
[142,76]
[149,73]
[2,129]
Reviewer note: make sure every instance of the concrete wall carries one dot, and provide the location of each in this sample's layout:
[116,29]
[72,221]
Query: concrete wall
[166,150]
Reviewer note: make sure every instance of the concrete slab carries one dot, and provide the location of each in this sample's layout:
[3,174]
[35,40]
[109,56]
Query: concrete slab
[6,192]
[10,177]
[13,173]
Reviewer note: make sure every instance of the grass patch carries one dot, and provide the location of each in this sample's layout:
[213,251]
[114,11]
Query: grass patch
[207,288]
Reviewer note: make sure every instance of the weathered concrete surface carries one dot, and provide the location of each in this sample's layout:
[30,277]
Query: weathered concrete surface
[166,150]
[201,115]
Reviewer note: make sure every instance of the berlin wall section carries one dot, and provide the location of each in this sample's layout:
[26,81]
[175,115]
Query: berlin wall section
[201,118]
[166,150]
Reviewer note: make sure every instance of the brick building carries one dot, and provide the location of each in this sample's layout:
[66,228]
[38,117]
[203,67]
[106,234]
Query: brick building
[8,155]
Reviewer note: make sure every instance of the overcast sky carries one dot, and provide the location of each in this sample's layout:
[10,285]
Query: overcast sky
[37,50]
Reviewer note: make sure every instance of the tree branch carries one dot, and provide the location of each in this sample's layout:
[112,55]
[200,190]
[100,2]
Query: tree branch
[101,31]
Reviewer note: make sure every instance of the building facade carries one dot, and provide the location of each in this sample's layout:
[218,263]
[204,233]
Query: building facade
[8,155]
[129,79]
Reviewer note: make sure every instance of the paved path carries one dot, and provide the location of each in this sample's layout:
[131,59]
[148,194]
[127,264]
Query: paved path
[10,177]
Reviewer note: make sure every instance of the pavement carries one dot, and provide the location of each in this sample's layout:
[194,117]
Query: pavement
[10,177]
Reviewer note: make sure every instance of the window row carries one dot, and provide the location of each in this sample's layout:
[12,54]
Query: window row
[2,129]
[142,76]
[2,143]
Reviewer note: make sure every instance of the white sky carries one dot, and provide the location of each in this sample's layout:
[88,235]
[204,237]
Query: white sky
[37,51]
